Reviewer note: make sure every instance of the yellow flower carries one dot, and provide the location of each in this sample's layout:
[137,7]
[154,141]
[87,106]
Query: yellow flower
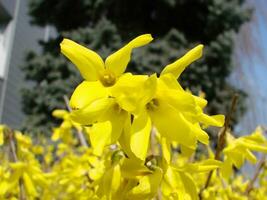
[2,131]
[108,99]
[175,113]
[97,74]
[95,99]
[240,149]
[128,179]
[64,131]
[179,179]
[4,185]
[92,67]
[24,141]
[31,175]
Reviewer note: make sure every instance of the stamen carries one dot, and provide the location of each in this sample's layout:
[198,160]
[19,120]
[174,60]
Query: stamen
[153,104]
[108,78]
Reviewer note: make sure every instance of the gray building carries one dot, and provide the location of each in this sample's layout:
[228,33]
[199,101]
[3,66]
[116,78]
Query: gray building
[17,36]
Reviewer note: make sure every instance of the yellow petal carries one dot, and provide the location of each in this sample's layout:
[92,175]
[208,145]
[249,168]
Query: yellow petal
[100,136]
[237,158]
[166,150]
[18,165]
[255,146]
[87,61]
[201,135]
[179,66]
[168,81]
[2,130]
[29,186]
[250,156]
[92,112]
[117,118]
[210,152]
[204,166]
[189,185]
[116,178]
[59,113]
[226,168]
[1,137]
[131,168]
[172,184]
[147,186]
[4,186]
[56,134]
[125,137]
[87,92]
[201,102]
[187,151]
[140,135]
[66,124]
[171,124]
[148,90]
[257,136]
[109,129]
[131,91]
[110,182]
[214,120]
[117,62]
[180,100]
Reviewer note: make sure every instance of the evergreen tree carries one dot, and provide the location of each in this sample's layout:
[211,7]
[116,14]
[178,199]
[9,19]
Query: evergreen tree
[105,26]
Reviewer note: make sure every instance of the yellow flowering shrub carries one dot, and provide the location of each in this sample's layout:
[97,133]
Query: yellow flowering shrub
[130,137]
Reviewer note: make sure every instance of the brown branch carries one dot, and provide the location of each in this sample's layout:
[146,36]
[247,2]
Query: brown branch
[79,133]
[221,141]
[13,151]
[260,166]
[12,146]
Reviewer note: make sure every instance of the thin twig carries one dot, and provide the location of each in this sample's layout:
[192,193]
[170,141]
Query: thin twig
[79,132]
[221,141]
[67,102]
[12,145]
[222,133]
[260,166]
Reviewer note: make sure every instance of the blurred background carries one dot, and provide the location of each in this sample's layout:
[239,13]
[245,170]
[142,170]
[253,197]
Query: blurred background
[34,76]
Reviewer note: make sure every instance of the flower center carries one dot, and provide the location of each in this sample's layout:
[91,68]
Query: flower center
[108,78]
[117,108]
[153,104]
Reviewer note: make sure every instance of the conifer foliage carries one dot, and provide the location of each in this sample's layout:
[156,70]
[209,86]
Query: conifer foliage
[176,25]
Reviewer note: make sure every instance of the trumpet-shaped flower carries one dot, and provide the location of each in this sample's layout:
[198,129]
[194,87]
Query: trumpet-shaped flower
[128,179]
[64,131]
[92,67]
[152,101]
[178,180]
[94,100]
[173,111]
[98,74]
[108,115]
[240,149]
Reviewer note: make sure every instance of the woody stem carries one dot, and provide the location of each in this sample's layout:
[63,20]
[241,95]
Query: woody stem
[220,141]
[12,146]
[79,132]
[260,166]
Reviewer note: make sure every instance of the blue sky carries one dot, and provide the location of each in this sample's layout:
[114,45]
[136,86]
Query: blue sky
[251,71]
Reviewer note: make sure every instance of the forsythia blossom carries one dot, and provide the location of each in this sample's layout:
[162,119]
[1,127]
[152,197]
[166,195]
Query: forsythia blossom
[129,137]
[128,106]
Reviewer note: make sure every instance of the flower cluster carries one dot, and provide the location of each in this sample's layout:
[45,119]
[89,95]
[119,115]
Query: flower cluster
[67,170]
[130,137]
[123,108]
